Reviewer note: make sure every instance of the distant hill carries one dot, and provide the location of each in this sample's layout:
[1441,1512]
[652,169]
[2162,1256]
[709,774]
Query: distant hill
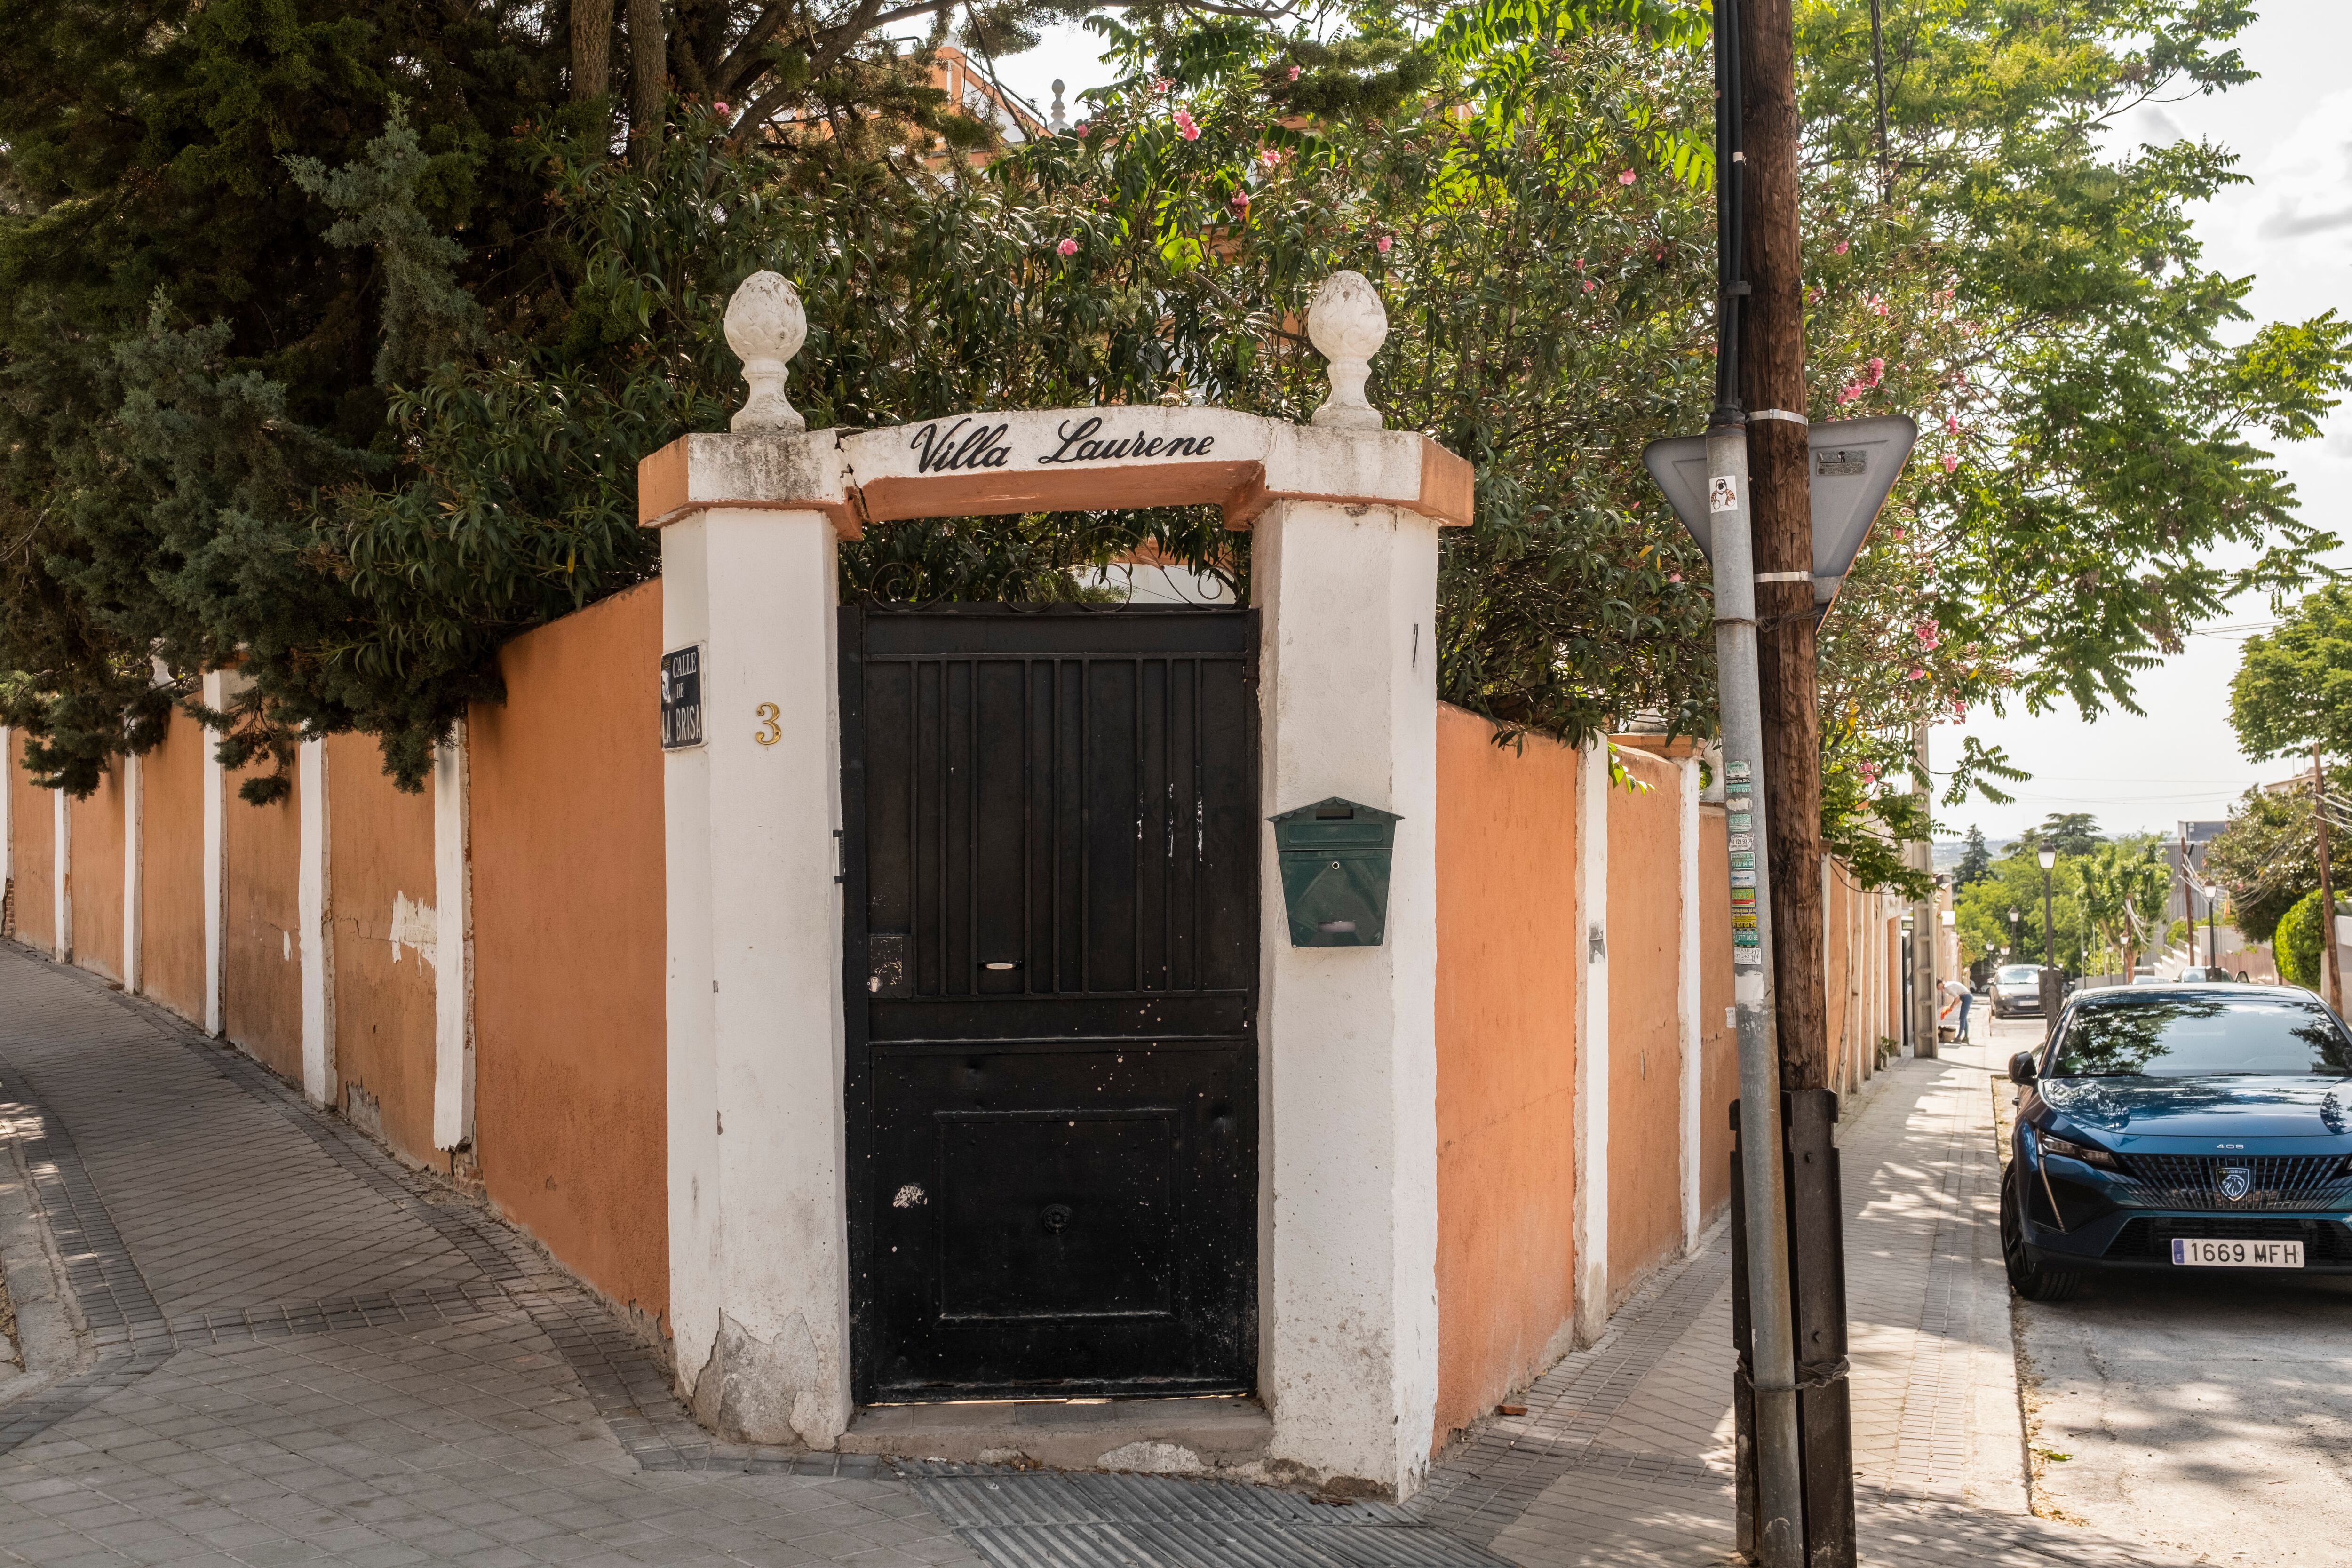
[1950,850]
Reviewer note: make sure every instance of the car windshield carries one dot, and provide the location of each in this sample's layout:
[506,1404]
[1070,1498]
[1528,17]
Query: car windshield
[2018,973]
[2187,1035]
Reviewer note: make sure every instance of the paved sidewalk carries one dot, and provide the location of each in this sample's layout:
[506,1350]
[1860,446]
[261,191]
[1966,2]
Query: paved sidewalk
[1625,1456]
[301,1352]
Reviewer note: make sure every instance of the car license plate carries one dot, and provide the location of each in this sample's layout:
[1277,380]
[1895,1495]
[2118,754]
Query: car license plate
[2216,1253]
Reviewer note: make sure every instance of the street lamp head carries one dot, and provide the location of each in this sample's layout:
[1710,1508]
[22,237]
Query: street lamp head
[2013,916]
[2048,857]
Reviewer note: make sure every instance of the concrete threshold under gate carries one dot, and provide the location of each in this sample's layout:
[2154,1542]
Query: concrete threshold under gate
[1158,1437]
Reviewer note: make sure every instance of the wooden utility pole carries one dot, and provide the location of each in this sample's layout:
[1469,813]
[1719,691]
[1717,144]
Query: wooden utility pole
[1772,375]
[2331,968]
[1772,390]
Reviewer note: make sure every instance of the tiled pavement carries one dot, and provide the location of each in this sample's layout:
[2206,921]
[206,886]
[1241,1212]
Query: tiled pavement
[304,1353]
[1625,1456]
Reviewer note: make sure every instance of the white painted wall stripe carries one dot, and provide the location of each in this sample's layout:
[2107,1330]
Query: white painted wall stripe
[7,797]
[314,906]
[1591,1224]
[61,894]
[216,867]
[1686,998]
[134,825]
[453,946]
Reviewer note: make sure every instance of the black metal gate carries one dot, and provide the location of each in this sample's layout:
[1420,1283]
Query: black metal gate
[1051,971]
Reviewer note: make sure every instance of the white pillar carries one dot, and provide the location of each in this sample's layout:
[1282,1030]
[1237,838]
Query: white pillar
[1590,1220]
[314,893]
[758,1272]
[133,868]
[61,876]
[215,867]
[1347,603]
[453,944]
[1686,997]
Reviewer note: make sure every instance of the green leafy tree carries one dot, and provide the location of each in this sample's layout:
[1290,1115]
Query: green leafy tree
[2094,406]
[2294,685]
[2268,858]
[1976,860]
[2297,940]
[418,322]
[2069,832]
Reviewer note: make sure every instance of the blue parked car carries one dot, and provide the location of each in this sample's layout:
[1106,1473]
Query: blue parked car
[2177,1127]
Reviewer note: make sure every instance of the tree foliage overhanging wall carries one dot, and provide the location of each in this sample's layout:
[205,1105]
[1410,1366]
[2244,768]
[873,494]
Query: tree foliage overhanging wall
[329,334]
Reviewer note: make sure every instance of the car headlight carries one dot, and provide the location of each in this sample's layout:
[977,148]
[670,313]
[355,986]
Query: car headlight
[2089,1153]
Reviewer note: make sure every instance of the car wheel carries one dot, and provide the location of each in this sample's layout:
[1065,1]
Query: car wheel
[2034,1282]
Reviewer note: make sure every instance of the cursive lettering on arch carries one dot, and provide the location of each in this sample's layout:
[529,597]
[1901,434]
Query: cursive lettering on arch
[959,449]
[1080,446]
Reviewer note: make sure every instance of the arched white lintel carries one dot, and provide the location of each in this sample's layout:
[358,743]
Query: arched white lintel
[1054,459]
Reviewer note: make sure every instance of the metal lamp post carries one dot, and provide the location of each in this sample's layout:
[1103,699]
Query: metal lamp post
[2212,953]
[2050,996]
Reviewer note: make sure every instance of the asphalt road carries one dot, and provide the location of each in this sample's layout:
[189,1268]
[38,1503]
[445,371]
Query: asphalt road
[2211,1415]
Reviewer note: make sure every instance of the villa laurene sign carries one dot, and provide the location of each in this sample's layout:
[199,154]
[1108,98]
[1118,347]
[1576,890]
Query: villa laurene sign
[971,444]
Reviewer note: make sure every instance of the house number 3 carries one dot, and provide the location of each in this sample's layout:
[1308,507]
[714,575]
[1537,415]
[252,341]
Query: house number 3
[770,732]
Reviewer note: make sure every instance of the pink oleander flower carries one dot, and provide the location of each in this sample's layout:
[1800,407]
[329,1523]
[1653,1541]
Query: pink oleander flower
[1870,772]
[1241,202]
[1877,370]
[1951,424]
[1081,128]
[1163,84]
[1269,156]
[720,109]
[1842,248]
[1382,244]
[1928,634]
[1848,394]
[1951,461]
[1067,248]
[1591,287]
[1916,674]
[1624,176]
[1294,73]
[1186,126]
[1674,576]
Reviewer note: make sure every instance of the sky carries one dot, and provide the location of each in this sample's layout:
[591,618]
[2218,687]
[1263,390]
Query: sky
[2290,228]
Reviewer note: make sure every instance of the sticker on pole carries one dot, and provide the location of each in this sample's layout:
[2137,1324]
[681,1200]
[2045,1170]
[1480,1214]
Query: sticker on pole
[1723,495]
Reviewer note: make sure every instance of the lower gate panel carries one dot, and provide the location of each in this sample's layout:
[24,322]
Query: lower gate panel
[1055,1218]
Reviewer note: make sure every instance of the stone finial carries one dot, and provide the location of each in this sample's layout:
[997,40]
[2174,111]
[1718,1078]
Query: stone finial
[1348,325]
[1057,123]
[765,327]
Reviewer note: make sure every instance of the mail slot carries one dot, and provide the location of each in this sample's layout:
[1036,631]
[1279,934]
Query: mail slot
[1335,860]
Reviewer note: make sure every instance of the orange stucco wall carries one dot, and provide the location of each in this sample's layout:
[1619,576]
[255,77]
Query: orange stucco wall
[95,875]
[570,1103]
[32,826]
[1507,953]
[171,870]
[380,849]
[1645,1022]
[261,950]
[1718,1038]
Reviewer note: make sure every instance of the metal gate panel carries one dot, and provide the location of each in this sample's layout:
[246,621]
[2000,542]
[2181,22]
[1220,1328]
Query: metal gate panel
[1051,973]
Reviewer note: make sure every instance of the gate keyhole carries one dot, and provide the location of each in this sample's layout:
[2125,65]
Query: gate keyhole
[1056,1216]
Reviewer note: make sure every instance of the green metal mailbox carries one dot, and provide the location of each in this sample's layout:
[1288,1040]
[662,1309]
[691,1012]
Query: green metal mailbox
[1335,872]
